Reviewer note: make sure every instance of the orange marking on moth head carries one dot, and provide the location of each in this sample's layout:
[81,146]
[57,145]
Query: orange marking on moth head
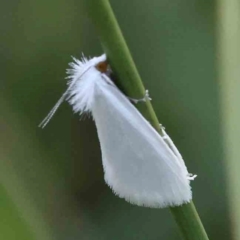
[102,67]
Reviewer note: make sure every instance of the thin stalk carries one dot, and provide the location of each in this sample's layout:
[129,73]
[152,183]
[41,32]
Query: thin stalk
[130,82]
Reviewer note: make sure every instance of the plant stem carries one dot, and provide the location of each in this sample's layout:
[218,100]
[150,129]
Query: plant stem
[119,56]
[130,82]
[189,222]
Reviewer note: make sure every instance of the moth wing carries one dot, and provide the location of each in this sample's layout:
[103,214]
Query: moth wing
[138,164]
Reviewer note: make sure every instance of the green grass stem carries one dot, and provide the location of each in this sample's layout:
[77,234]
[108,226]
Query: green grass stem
[129,81]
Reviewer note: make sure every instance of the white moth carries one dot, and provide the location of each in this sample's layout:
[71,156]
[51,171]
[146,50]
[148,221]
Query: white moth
[138,164]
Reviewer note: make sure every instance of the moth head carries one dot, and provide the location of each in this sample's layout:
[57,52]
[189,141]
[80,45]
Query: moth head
[102,67]
[78,69]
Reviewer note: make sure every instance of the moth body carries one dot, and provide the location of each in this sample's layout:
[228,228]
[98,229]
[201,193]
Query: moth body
[138,164]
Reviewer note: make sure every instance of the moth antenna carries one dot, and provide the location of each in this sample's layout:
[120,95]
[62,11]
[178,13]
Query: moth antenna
[62,98]
[54,109]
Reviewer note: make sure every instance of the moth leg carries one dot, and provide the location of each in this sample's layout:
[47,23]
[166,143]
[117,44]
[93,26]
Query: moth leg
[170,143]
[191,177]
[174,149]
[144,99]
[135,101]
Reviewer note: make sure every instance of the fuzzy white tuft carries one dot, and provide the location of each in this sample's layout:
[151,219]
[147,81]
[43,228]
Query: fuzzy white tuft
[82,76]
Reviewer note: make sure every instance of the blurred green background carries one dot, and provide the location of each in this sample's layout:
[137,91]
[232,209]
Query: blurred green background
[51,180]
